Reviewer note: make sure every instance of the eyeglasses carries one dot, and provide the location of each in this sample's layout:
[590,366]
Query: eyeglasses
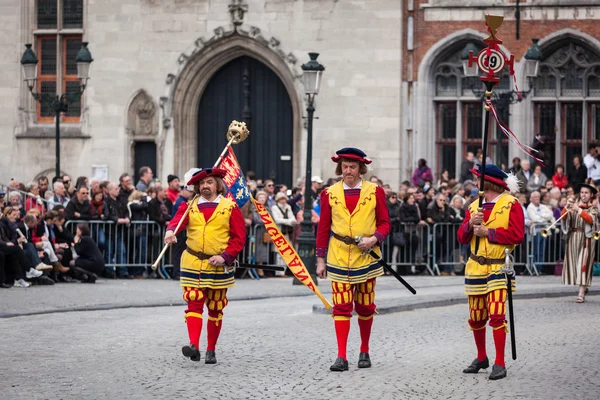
[393,197]
[66,181]
[270,185]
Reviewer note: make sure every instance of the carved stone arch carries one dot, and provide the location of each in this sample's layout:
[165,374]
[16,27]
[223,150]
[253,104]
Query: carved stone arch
[142,126]
[198,69]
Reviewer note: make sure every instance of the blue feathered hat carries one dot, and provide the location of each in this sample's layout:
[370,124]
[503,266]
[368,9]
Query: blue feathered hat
[495,175]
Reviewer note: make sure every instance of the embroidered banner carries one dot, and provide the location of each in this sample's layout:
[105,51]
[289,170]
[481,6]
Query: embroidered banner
[288,253]
[237,190]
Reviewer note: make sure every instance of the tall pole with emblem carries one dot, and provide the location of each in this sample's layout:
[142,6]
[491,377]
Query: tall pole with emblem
[491,61]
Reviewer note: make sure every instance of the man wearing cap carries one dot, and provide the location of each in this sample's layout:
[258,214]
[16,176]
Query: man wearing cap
[315,188]
[579,227]
[500,226]
[173,190]
[216,234]
[351,208]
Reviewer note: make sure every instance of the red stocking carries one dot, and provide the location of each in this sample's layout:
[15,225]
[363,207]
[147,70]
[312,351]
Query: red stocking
[342,329]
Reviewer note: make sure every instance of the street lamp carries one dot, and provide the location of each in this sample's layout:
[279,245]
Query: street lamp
[312,72]
[57,103]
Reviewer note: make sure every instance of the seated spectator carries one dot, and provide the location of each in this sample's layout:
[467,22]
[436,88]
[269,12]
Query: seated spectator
[34,199]
[89,260]
[79,207]
[15,201]
[3,284]
[25,230]
[14,257]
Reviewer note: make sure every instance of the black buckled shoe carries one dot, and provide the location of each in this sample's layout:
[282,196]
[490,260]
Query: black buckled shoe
[339,365]
[364,361]
[498,372]
[210,357]
[476,365]
[191,352]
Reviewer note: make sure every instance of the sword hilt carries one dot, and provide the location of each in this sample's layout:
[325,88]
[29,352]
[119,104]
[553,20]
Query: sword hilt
[509,262]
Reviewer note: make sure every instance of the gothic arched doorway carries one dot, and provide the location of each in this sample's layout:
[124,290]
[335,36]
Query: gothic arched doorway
[245,89]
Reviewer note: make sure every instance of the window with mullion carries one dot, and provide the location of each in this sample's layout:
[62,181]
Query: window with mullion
[70,48]
[72,16]
[446,137]
[572,132]
[46,77]
[47,14]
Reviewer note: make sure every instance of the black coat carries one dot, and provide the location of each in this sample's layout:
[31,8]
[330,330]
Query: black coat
[89,254]
[393,210]
[7,234]
[438,215]
[577,176]
[74,206]
[63,236]
[114,210]
[409,214]
[138,211]
[155,213]
[465,174]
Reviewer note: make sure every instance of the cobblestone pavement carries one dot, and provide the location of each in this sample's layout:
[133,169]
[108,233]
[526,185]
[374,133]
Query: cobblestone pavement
[108,294]
[278,349]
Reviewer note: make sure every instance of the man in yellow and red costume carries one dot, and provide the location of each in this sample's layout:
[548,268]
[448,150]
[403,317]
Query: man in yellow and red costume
[216,234]
[352,208]
[500,226]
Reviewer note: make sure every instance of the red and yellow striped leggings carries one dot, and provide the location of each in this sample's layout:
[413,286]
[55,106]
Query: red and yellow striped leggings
[361,294]
[490,306]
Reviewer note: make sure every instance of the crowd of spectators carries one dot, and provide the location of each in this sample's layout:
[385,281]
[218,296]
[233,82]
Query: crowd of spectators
[37,247]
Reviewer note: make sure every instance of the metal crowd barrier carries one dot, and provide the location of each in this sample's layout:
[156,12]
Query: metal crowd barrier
[425,248]
[416,252]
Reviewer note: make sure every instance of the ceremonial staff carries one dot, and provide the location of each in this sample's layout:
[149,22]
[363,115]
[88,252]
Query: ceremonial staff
[237,133]
[491,61]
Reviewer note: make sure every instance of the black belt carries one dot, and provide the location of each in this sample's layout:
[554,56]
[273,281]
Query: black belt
[346,239]
[200,255]
[487,261]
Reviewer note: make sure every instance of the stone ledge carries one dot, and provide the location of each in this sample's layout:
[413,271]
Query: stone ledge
[67,131]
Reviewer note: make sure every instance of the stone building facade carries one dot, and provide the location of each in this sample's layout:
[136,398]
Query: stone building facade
[155,62]
[169,76]
[443,116]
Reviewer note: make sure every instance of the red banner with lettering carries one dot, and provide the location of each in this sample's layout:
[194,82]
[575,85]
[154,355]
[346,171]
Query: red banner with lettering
[288,253]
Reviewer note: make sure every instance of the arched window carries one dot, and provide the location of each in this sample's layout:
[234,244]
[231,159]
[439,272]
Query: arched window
[460,113]
[567,100]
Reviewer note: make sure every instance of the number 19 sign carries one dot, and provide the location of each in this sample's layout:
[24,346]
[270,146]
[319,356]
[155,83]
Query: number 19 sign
[495,61]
